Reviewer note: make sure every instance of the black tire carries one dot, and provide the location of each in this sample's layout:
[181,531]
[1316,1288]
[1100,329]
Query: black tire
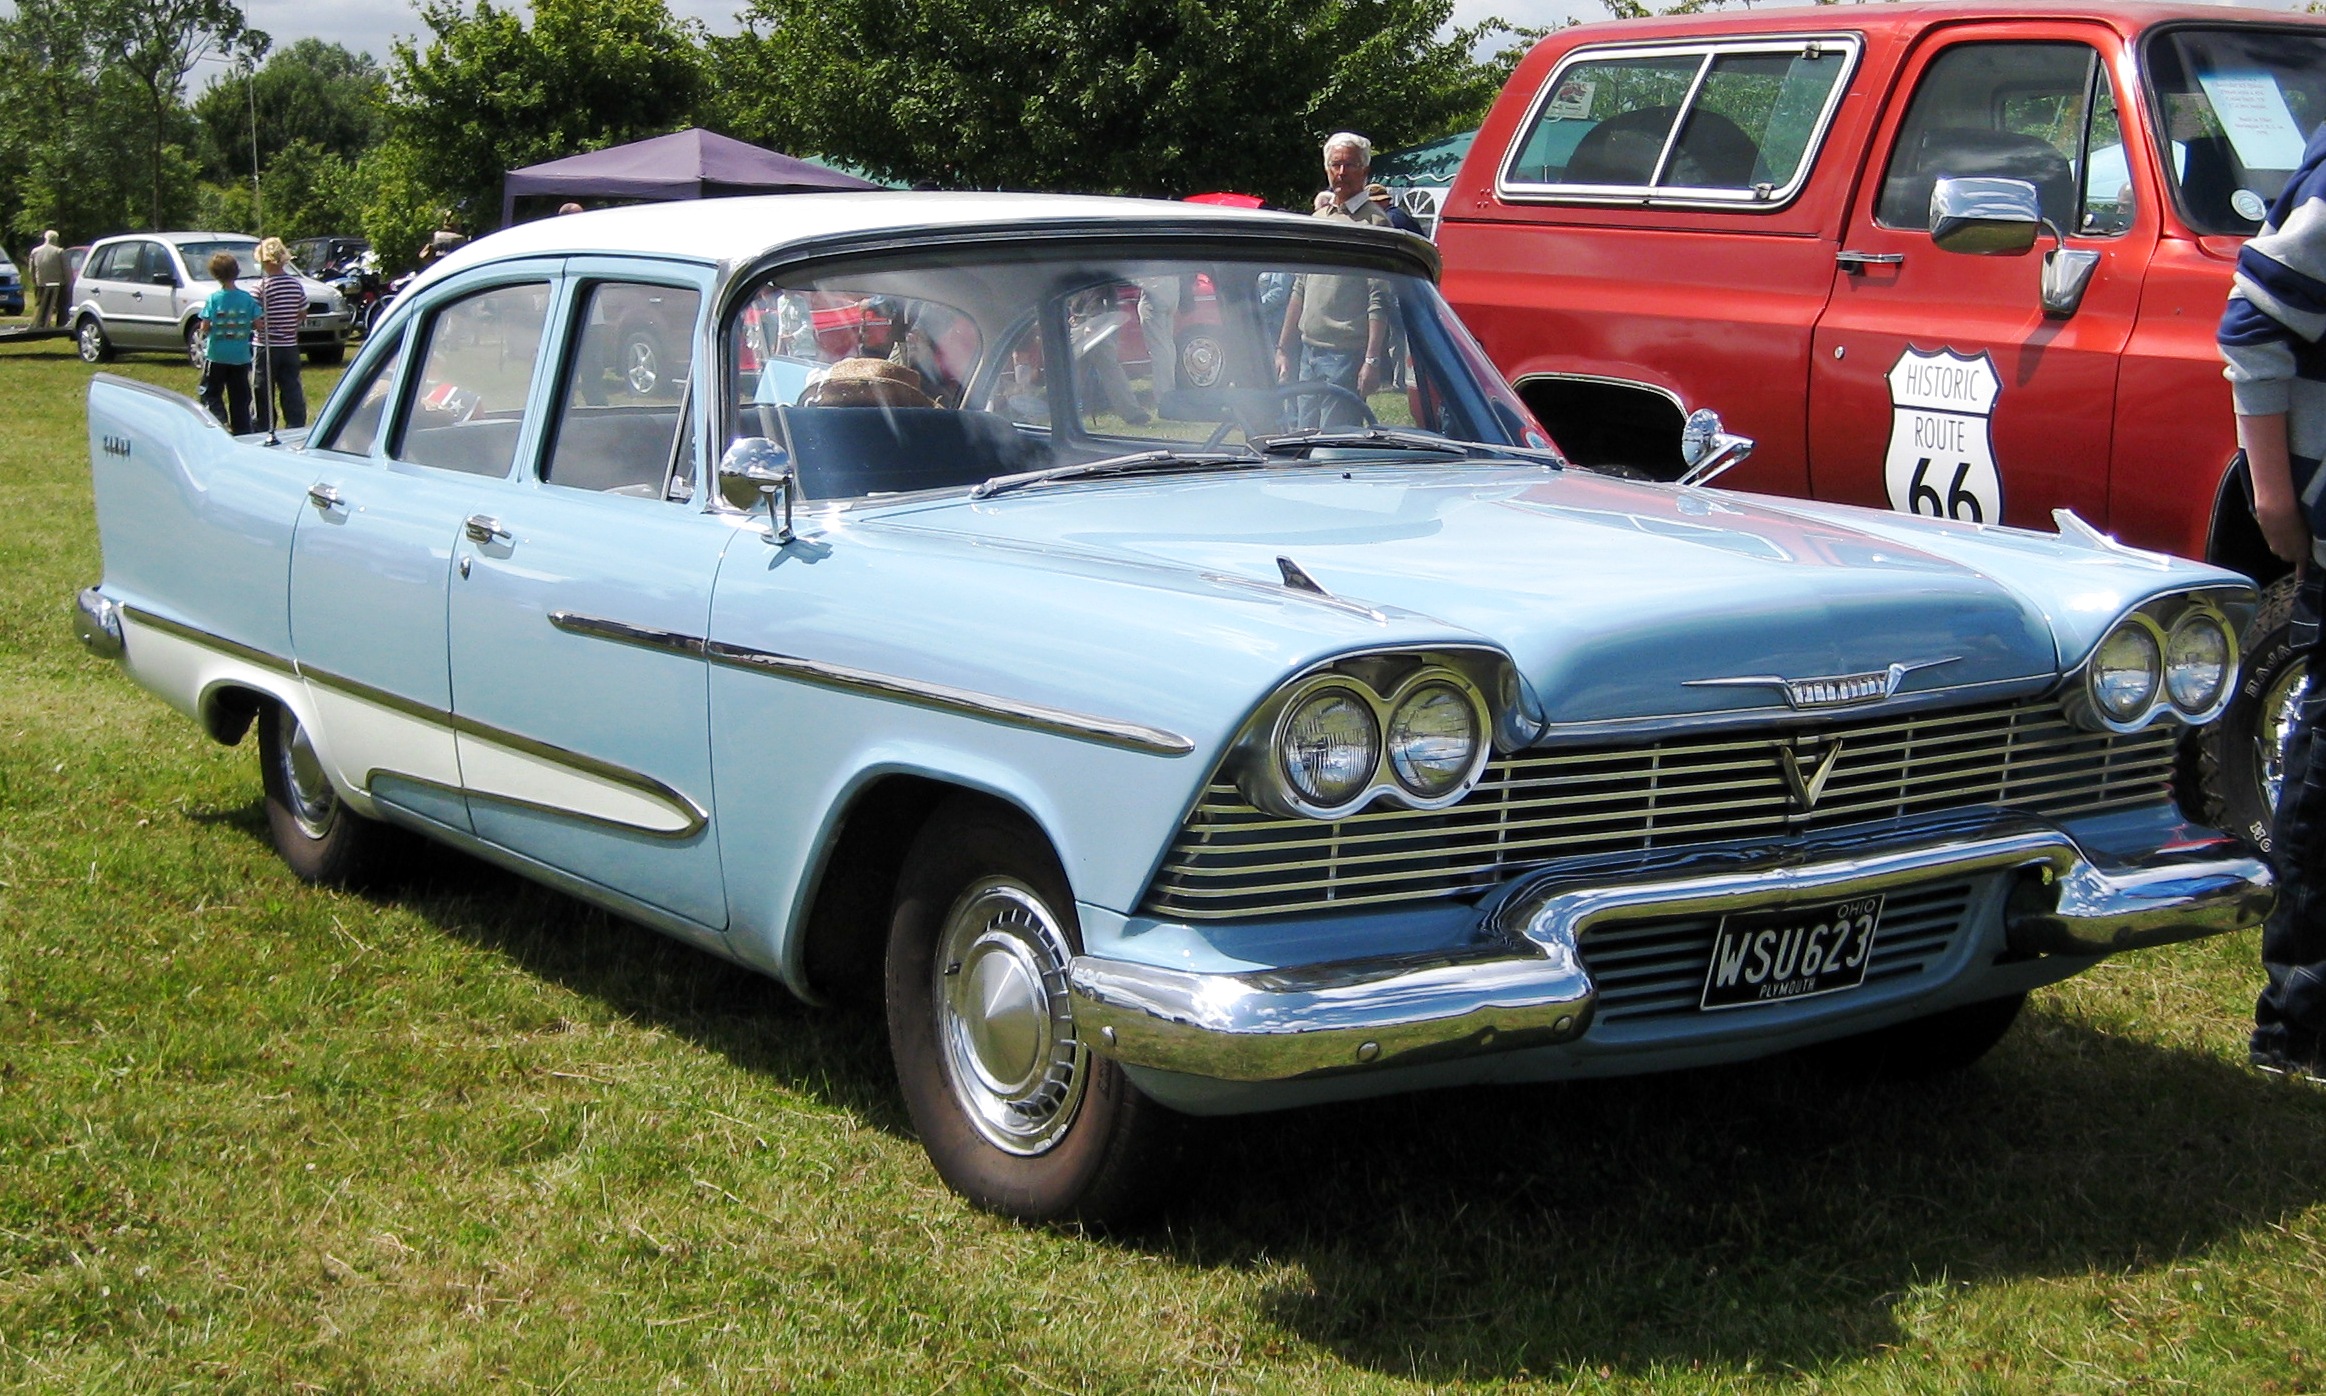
[1066,1137]
[321,839]
[1943,1043]
[328,356]
[2239,756]
[197,349]
[90,338]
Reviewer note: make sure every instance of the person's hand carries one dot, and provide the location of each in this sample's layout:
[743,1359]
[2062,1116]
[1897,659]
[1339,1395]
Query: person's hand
[1283,366]
[1368,377]
[2284,528]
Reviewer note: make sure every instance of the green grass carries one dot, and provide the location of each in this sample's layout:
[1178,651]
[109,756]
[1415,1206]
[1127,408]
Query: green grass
[469,1135]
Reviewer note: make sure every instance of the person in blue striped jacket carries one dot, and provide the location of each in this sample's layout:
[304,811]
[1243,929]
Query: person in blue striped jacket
[2270,337]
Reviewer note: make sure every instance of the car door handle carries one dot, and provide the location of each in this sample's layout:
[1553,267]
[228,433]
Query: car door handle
[1855,263]
[483,528]
[326,498]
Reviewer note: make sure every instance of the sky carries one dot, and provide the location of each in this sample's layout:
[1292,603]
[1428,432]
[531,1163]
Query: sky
[368,26]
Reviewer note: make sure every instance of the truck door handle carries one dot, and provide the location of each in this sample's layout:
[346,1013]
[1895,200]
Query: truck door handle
[324,497]
[483,528]
[1855,263]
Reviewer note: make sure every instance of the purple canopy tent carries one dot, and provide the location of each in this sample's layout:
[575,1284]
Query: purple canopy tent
[689,164]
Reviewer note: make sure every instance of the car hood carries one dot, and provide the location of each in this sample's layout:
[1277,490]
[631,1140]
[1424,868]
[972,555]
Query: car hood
[1615,599]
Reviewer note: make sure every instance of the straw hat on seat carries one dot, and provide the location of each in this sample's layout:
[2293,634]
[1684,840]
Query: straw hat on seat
[866,382]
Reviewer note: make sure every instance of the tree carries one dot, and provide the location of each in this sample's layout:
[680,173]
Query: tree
[155,44]
[312,91]
[1128,96]
[487,94]
[65,119]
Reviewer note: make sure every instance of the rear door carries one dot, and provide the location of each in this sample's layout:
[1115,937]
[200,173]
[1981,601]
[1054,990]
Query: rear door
[1938,386]
[149,312]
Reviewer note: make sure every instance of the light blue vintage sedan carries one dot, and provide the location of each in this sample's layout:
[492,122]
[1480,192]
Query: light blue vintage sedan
[1147,649]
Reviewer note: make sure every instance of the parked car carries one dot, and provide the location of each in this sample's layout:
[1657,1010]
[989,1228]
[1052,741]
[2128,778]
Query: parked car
[1206,766]
[145,291]
[11,288]
[1778,259]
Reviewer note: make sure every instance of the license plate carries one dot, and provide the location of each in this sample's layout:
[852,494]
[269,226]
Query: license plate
[1794,952]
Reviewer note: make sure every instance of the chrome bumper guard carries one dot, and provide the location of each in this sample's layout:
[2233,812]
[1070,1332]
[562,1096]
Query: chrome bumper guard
[97,621]
[1527,986]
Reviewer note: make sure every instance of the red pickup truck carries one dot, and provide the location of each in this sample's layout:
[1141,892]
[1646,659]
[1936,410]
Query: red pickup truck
[1734,210]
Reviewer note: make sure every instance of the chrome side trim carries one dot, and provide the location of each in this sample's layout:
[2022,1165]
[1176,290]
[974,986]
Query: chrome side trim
[518,802]
[378,697]
[624,633]
[1131,735]
[220,643]
[97,623]
[1365,1015]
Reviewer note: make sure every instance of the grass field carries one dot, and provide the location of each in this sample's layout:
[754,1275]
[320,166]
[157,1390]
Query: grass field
[468,1135]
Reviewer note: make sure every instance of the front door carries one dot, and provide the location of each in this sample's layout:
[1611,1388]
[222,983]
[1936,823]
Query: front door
[1938,385]
[580,600]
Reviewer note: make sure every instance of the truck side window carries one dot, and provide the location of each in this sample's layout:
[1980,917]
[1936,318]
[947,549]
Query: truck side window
[1732,124]
[2018,111]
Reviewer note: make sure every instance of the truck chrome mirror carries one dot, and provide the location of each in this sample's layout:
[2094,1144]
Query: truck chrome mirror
[1707,449]
[1984,216]
[1998,218]
[753,469]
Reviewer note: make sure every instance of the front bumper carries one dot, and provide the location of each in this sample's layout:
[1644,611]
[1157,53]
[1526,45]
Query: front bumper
[1527,985]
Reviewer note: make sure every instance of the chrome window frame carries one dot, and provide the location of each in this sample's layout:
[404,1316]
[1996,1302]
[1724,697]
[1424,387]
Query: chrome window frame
[1751,200]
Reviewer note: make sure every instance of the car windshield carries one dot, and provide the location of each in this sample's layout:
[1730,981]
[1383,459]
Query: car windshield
[943,369]
[197,255]
[2238,103]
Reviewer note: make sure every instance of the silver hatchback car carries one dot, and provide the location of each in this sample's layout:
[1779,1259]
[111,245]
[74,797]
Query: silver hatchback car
[144,291]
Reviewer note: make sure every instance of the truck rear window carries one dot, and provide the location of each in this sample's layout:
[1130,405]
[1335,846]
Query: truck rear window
[1732,123]
[2237,104]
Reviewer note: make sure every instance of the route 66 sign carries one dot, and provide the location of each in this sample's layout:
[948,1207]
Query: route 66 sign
[1942,454]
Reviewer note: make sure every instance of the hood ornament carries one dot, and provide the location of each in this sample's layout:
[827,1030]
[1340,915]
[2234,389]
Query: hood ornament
[1830,690]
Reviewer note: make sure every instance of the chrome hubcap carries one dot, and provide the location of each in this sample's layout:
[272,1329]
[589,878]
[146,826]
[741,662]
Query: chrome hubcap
[92,339]
[2279,707]
[1201,361]
[640,371]
[312,801]
[1004,1024]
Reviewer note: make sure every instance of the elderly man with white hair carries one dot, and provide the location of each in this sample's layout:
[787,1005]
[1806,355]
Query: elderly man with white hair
[1336,327]
[50,272]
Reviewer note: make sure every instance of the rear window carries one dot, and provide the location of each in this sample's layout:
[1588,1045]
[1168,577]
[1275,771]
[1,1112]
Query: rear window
[1734,123]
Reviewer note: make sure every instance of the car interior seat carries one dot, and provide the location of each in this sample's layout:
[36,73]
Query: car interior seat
[1962,152]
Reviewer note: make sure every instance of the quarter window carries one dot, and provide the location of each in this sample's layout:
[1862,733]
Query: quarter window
[467,402]
[2040,112]
[1738,124]
[359,427]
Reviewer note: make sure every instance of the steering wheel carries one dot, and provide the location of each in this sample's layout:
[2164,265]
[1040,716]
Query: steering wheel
[1238,403]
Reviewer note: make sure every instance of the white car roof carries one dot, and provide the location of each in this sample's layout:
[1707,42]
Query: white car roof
[738,229]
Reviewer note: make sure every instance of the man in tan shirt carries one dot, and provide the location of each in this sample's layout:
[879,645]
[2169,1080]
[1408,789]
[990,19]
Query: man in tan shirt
[50,272]
[1335,327]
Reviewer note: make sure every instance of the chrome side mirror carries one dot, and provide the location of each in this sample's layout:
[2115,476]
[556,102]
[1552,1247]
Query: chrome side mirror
[1984,217]
[1993,217]
[1708,450]
[755,468]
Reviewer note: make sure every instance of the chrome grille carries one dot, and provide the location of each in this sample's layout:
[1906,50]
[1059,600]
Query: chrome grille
[1655,969]
[1231,860]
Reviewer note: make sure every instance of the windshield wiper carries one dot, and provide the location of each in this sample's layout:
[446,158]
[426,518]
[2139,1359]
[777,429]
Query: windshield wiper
[1285,442]
[1161,462]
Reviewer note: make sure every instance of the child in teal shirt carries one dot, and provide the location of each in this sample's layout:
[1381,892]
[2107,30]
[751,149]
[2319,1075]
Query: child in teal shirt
[228,316]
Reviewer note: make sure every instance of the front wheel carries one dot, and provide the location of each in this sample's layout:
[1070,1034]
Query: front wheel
[197,348]
[1016,1112]
[317,835]
[89,338]
[2243,755]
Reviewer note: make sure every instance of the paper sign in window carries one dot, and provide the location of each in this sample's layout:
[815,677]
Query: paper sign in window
[2253,113]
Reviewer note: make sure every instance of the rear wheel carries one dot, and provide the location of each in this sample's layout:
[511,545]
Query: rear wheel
[1016,1112]
[317,835]
[197,348]
[2242,757]
[89,337]
[1945,1042]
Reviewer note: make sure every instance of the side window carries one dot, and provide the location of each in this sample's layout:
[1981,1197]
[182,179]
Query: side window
[625,386]
[359,427]
[2018,111]
[467,401]
[115,263]
[153,265]
[1737,124]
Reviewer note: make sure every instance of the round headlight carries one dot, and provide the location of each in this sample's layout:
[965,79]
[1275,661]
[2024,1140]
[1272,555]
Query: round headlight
[1329,747]
[2196,662]
[1433,739]
[2126,670]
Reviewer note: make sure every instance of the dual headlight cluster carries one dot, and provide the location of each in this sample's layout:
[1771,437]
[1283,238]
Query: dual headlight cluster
[1337,742]
[2176,655]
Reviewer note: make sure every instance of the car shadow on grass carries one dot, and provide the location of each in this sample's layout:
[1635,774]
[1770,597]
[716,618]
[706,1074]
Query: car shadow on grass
[1766,1213]
[1763,1214]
